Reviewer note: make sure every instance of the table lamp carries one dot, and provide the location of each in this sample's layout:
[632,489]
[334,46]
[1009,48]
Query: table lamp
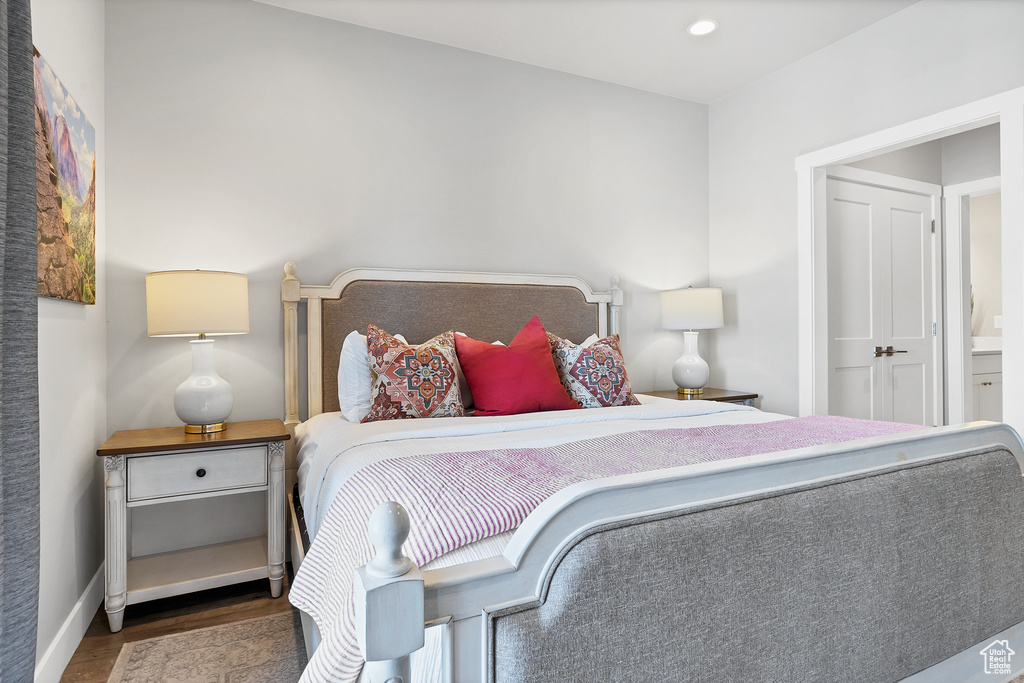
[185,303]
[691,309]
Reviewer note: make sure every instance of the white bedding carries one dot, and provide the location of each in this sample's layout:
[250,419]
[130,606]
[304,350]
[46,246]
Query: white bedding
[331,449]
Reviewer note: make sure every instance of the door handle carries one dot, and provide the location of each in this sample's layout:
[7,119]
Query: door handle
[887,351]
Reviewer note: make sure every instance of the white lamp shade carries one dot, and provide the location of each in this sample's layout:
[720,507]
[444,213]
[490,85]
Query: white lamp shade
[692,309]
[181,303]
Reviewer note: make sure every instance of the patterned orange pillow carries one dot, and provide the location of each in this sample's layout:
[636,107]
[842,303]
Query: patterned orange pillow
[593,375]
[409,381]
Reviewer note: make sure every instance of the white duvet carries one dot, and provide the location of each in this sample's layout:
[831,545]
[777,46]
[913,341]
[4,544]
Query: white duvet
[332,449]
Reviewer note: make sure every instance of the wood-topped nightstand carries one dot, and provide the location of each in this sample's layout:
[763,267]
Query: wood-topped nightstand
[166,466]
[709,394]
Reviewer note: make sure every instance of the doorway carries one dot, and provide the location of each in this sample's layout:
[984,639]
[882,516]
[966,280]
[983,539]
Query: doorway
[1007,110]
[958,167]
[975,298]
[884,297]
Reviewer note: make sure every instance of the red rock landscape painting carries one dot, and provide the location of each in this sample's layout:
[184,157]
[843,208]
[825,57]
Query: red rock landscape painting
[65,191]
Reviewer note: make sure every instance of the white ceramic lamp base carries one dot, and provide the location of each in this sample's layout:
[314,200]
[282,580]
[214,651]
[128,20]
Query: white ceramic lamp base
[690,372]
[204,400]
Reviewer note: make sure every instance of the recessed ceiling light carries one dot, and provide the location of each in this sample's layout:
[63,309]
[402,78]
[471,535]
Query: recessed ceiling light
[702,27]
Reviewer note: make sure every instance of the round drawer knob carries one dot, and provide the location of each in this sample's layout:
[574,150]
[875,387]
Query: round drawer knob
[200,473]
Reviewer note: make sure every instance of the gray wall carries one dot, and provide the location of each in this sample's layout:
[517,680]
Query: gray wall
[950,160]
[921,162]
[72,372]
[971,156]
[243,136]
[930,57]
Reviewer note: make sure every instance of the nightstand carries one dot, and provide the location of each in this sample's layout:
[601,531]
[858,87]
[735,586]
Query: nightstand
[709,394]
[157,484]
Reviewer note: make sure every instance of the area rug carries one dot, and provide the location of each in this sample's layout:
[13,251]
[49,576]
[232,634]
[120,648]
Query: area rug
[260,650]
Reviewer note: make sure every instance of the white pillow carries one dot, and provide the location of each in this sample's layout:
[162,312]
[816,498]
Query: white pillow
[354,380]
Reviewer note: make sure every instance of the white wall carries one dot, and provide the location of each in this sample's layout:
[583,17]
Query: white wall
[243,136]
[72,372]
[930,57]
[986,264]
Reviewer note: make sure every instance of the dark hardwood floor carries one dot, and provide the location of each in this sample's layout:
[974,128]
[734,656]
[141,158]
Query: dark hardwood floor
[94,659]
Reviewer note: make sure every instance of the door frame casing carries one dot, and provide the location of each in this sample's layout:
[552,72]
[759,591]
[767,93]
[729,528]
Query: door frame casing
[1007,109]
[934,193]
[958,307]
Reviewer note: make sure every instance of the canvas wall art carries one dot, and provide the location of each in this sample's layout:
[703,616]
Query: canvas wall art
[65,191]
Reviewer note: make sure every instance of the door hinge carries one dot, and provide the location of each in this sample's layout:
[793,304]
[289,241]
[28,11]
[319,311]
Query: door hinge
[933,226]
[933,329]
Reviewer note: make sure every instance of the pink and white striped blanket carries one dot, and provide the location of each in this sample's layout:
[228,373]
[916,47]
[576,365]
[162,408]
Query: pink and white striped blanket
[455,499]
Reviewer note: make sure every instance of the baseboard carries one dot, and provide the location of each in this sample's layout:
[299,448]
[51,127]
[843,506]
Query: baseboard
[53,662]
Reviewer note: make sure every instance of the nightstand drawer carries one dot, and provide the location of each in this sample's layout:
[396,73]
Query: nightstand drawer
[186,473]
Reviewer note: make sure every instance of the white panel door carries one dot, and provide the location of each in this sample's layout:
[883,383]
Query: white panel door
[881,304]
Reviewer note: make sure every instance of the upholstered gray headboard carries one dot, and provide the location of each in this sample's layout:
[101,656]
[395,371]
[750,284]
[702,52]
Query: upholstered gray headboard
[422,310]
[870,578]
[422,304]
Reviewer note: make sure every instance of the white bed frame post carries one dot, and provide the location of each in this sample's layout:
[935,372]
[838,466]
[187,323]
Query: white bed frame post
[389,600]
[290,294]
[613,306]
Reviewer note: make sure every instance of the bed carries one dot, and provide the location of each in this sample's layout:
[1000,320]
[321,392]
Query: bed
[774,549]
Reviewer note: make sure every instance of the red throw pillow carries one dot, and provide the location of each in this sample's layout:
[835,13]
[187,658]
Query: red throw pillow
[518,378]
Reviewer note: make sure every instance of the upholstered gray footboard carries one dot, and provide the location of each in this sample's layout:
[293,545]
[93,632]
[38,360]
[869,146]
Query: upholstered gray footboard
[867,578]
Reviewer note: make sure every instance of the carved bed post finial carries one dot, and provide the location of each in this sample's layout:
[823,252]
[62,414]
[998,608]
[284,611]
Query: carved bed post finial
[290,295]
[389,599]
[616,303]
[388,528]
